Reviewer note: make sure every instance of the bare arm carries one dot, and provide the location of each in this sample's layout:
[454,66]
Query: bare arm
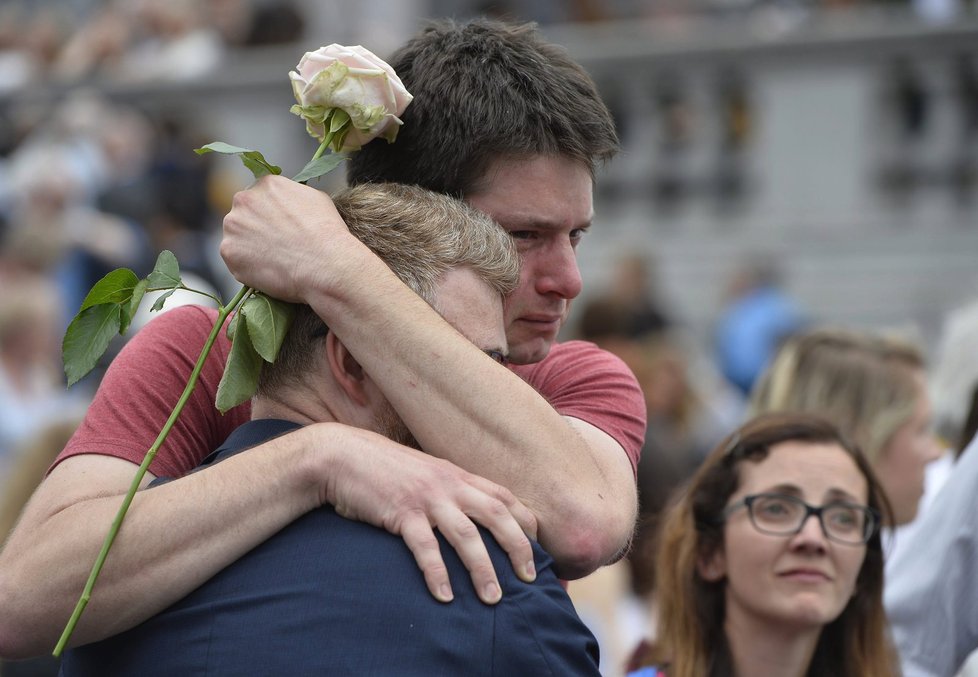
[176,536]
[460,405]
[182,533]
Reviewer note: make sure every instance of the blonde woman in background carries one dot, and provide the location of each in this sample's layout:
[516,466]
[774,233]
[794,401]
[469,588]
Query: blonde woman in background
[874,389]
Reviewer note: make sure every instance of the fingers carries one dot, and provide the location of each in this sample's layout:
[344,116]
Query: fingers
[420,540]
[509,504]
[463,535]
[457,521]
[412,494]
[510,523]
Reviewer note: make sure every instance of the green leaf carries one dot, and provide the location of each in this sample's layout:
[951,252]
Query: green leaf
[158,305]
[116,287]
[339,126]
[259,168]
[221,147]
[87,337]
[166,272]
[232,326]
[268,322]
[252,159]
[318,167]
[240,379]
[339,118]
[129,309]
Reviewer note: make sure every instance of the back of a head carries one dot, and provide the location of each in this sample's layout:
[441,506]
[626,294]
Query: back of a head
[863,383]
[485,90]
[420,235]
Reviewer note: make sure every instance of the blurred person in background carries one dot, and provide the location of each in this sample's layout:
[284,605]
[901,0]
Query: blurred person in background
[770,561]
[874,388]
[683,426]
[932,574]
[134,40]
[32,461]
[57,173]
[635,289]
[758,315]
[954,379]
[254,23]
[139,41]
[32,391]
[97,185]
[953,388]
[33,458]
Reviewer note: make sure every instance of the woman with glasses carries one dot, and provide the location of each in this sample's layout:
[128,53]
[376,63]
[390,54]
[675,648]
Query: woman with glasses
[770,560]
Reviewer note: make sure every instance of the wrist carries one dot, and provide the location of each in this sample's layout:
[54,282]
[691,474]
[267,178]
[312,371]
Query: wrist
[345,284]
[310,456]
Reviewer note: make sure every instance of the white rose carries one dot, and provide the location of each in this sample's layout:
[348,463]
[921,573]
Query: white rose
[355,81]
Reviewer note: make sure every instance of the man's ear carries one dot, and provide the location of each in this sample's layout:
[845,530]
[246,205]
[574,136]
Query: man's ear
[347,372]
[712,568]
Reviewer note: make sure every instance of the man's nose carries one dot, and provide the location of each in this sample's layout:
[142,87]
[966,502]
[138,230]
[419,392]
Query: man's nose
[560,273]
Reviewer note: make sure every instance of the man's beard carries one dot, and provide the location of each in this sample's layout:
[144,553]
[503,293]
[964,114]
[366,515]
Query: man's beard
[391,425]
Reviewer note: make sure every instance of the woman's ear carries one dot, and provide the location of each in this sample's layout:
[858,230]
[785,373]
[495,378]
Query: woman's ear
[346,371]
[712,568]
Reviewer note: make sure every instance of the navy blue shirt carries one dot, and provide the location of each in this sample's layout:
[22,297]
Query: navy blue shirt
[329,596]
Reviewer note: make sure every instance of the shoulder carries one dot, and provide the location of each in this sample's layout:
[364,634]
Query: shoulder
[583,381]
[582,359]
[181,318]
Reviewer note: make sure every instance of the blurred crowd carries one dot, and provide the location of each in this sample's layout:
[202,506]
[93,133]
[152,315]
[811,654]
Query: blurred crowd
[86,187]
[133,40]
[913,413]
[174,40]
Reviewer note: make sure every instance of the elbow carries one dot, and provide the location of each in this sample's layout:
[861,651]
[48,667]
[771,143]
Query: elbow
[11,648]
[17,642]
[13,644]
[585,547]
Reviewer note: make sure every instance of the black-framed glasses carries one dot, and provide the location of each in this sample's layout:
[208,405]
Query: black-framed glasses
[785,515]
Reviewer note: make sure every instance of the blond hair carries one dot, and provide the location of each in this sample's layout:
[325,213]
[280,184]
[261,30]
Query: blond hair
[868,385]
[420,235]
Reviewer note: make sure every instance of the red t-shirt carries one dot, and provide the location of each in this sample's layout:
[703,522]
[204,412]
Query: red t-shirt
[144,382]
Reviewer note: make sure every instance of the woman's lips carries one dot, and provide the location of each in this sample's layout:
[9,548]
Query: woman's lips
[805,575]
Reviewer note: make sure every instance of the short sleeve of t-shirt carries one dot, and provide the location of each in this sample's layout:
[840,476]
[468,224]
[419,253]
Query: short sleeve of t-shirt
[582,381]
[143,384]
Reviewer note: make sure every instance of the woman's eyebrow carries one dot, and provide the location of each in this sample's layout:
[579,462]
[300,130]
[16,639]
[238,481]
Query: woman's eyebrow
[833,494]
[841,495]
[789,489]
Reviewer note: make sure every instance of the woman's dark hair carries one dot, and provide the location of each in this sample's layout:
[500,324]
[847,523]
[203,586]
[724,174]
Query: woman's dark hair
[691,636]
